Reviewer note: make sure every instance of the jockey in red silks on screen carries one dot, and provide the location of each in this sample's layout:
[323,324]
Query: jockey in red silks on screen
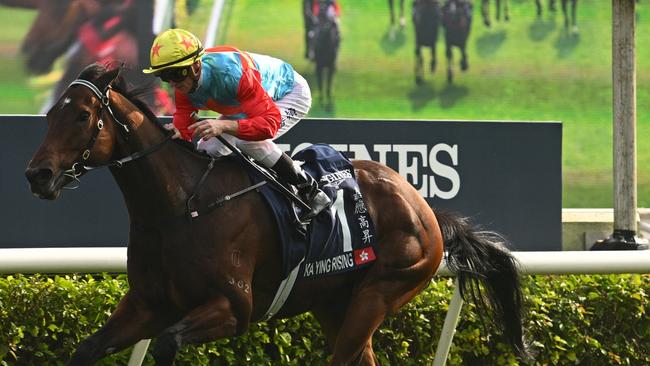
[259,98]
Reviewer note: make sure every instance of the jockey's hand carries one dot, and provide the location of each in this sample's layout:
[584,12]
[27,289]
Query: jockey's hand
[171,127]
[209,128]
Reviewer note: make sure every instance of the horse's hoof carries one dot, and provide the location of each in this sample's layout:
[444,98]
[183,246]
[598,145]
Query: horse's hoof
[418,80]
[433,66]
[450,77]
[402,22]
[464,65]
[574,30]
[487,23]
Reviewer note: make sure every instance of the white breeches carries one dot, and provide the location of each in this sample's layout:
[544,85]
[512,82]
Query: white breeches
[293,107]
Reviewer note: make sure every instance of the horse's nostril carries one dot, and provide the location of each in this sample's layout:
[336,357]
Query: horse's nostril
[38,175]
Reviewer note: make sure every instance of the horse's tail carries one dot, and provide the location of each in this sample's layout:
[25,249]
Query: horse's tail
[487,275]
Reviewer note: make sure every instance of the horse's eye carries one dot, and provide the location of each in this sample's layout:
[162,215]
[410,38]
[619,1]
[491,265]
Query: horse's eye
[83,117]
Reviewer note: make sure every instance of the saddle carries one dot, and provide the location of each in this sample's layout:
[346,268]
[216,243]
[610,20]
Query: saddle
[340,238]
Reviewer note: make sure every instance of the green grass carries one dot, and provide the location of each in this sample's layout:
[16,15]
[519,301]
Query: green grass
[527,69]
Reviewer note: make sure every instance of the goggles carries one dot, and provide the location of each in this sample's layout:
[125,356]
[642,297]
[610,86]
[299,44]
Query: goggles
[176,74]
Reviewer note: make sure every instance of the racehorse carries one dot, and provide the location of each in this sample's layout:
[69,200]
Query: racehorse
[457,22]
[193,280]
[426,19]
[485,11]
[326,40]
[568,21]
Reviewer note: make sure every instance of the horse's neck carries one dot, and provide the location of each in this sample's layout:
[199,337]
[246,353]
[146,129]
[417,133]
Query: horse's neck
[157,185]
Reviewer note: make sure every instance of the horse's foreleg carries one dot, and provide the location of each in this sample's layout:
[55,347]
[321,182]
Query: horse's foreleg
[449,54]
[566,16]
[573,15]
[463,59]
[432,66]
[392,12]
[213,320]
[402,20]
[128,324]
[419,62]
[485,11]
[506,10]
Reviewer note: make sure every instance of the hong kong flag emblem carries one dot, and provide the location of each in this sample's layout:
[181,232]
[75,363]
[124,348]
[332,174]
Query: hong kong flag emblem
[363,256]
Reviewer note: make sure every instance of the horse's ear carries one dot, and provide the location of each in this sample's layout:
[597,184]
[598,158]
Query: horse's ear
[104,81]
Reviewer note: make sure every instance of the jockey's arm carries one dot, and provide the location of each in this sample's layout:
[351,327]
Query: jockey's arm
[264,116]
[183,115]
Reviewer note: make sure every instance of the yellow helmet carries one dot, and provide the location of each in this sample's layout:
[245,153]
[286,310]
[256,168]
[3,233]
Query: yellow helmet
[174,48]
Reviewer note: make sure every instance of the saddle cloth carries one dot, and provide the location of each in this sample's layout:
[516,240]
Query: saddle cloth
[340,238]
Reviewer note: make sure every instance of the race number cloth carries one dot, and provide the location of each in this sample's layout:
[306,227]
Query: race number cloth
[339,239]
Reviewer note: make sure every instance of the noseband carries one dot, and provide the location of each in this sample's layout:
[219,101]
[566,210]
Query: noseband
[79,167]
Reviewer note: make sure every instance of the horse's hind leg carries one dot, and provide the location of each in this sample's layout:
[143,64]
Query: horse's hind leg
[213,320]
[331,320]
[353,331]
[402,20]
[128,324]
[330,79]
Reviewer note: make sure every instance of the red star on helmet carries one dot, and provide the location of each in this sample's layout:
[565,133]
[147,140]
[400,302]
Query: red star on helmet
[187,43]
[155,50]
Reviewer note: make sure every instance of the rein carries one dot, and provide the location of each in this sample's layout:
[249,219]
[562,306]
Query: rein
[79,168]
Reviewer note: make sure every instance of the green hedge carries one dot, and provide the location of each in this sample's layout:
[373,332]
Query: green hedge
[581,320]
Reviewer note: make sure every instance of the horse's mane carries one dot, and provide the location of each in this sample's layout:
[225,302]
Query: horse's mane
[134,95]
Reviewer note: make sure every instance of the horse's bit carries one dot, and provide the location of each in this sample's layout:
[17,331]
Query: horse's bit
[85,155]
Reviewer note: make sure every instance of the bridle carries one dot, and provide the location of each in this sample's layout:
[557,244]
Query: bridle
[80,167]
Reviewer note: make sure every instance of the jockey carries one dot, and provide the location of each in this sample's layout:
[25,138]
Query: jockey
[259,98]
[321,11]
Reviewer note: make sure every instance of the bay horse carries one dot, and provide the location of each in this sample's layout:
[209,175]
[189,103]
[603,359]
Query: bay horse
[457,22]
[426,20]
[197,280]
[499,5]
[327,39]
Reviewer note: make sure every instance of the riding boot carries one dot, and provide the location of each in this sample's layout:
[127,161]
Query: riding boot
[307,186]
